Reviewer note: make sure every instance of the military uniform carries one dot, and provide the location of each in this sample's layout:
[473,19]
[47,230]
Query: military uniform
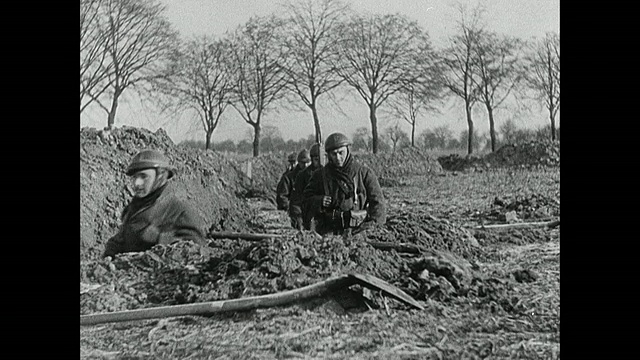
[353,186]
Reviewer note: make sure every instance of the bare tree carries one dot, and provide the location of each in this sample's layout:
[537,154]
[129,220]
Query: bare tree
[416,99]
[458,61]
[397,136]
[259,62]
[94,68]
[310,39]
[362,139]
[200,80]
[544,75]
[380,55]
[140,40]
[499,71]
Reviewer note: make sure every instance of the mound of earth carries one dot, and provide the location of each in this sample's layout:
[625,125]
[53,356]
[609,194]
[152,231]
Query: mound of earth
[418,227]
[265,171]
[180,273]
[207,180]
[528,155]
[402,163]
[526,207]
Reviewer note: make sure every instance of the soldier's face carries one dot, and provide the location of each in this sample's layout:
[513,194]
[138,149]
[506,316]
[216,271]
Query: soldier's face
[304,164]
[338,156]
[142,182]
[315,160]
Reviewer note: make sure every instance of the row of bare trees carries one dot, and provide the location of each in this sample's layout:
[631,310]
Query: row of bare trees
[303,57]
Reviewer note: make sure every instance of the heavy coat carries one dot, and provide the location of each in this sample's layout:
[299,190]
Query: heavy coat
[163,221]
[296,208]
[368,197]
[285,188]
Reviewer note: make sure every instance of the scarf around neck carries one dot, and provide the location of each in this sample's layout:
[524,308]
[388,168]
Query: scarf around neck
[139,203]
[343,176]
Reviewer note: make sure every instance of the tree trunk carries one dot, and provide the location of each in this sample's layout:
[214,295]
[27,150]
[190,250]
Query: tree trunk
[207,145]
[316,123]
[256,139]
[413,132]
[492,128]
[374,127]
[553,127]
[470,135]
[111,117]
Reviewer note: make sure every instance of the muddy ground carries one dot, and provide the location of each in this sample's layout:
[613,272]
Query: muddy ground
[487,293]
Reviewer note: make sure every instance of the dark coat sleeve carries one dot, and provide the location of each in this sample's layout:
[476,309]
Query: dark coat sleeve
[312,194]
[296,200]
[181,223]
[376,208]
[282,192]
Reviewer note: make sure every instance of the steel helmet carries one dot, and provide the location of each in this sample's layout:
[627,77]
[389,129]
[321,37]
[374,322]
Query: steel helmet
[150,159]
[292,157]
[335,141]
[315,150]
[303,156]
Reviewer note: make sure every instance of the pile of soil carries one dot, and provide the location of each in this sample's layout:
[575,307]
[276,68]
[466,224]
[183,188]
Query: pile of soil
[525,207]
[266,171]
[527,155]
[180,273]
[212,184]
[419,227]
[402,163]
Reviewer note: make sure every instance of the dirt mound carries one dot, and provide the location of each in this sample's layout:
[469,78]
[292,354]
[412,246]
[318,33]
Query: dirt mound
[208,181]
[179,273]
[528,155]
[516,208]
[266,171]
[401,163]
[427,231]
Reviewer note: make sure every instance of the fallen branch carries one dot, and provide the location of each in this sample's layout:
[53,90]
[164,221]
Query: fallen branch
[547,224]
[213,307]
[401,247]
[254,302]
[243,236]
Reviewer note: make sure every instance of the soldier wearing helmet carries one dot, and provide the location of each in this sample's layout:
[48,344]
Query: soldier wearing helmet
[154,215]
[291,159]
[344,195]
[285,185]
[299,212]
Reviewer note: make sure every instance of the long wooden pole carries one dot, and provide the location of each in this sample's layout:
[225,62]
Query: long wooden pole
[208,308]
[549,224]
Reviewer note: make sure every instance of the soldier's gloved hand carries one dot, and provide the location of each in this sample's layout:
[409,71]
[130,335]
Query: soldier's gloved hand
[326,201]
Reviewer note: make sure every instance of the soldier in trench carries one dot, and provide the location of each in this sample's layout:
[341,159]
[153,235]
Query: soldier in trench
[285,186]
[300,216]
[344,196]
[154,215]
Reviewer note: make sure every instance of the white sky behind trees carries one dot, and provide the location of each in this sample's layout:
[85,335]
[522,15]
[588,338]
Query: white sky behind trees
[521,18]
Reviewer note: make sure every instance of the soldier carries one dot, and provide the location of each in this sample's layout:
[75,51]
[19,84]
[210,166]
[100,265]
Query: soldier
[154,215]
[344,195]
[285,186]
[292,162]
[298,212]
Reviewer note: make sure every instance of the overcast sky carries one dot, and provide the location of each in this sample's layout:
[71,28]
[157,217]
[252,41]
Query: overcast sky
[521,18]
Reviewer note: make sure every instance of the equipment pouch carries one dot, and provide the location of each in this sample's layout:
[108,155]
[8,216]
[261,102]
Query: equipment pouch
[357,217]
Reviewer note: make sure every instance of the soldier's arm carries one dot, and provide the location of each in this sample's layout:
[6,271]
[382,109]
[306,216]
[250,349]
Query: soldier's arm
[113,246]
[282,193]
[313,193]
[180,222]
[376,209]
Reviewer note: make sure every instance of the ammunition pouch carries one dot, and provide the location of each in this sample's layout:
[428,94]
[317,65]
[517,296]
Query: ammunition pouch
[345,219]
